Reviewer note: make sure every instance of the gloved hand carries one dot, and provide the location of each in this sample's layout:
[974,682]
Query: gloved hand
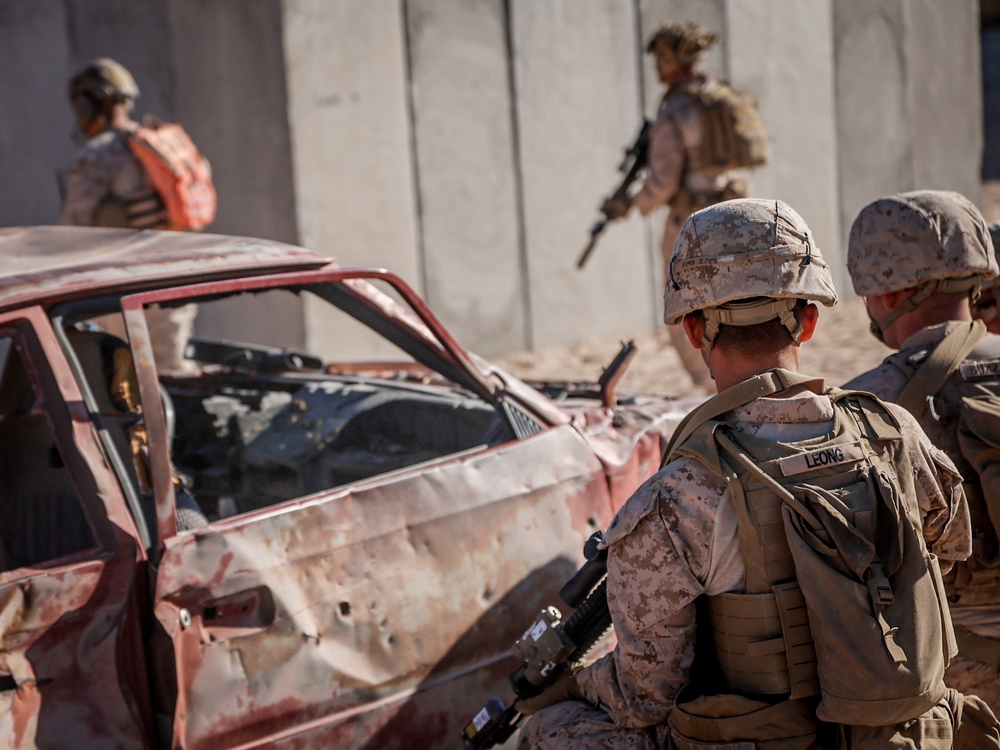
[615,208]
[563,689]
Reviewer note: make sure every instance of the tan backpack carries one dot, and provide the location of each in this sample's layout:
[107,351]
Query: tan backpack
[733,132]
[832,524]
[178,171]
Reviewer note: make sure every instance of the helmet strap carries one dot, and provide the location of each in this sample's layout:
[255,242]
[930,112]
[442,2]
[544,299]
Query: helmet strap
[751,313]
[970,284]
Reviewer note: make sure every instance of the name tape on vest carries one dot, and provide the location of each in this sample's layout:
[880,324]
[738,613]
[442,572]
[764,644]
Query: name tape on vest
[988,368]
[830,456]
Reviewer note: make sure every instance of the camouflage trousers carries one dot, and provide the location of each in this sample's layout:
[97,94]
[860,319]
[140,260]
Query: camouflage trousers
[573,725]
[579,726]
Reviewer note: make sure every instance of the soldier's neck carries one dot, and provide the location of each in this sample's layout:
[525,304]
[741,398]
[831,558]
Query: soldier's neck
[730,367]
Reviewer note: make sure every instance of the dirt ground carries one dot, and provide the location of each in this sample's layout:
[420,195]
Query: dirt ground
[841,349]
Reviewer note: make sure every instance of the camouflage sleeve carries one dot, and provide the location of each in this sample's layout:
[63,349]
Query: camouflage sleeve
[666,166]
[86,184]
[947,527]
[885,381]
[651,594]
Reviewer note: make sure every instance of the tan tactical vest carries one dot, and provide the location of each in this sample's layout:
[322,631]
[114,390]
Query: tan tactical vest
[954,392]
[842,598]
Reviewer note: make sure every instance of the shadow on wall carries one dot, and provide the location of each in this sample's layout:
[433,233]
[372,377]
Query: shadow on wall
[990,40]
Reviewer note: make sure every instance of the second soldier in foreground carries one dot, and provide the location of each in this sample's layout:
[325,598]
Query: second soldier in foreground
[919,260]
[820,545]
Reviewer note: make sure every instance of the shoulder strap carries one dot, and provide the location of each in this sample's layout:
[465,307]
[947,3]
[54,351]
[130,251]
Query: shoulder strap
[765,384]
[946,358]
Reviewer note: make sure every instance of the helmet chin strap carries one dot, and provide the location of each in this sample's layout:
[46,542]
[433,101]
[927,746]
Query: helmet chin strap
[748,313]
[970,284]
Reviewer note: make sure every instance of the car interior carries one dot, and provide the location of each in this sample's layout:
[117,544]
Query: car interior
[257,423]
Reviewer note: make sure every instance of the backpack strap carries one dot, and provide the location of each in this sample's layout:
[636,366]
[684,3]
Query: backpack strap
[942,363]
[759,386]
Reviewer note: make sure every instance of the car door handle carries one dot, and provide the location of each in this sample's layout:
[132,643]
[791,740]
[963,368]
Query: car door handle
[238,614]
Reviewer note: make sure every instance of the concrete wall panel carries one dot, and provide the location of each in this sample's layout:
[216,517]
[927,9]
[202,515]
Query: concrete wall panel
[37,125]
[466,170]
[346,72]
[134,32]
[945,86]
[781,51]
[228,64]
[876,148]
[577,103]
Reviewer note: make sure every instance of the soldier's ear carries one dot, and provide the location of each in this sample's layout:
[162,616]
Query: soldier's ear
[810,316]
[694,327]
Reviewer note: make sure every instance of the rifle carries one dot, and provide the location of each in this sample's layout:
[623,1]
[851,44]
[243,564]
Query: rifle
[636,157]
[549,647]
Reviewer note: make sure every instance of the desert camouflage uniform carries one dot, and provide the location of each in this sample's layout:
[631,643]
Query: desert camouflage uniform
[677,177]
[106,178]
[676,540]
[888,381]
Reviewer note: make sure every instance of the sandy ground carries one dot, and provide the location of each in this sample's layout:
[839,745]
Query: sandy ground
[841,349]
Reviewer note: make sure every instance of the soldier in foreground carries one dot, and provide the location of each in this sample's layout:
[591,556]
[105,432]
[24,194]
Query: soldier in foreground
[985,308]
[135,175]
[704,138]
[817,546]
[919,260]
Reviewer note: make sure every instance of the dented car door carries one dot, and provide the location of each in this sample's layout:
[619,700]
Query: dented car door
[70,611]
[379,611]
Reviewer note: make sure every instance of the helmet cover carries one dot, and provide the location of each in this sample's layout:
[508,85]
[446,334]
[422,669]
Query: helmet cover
[906,240]
[104,80]
[744,249]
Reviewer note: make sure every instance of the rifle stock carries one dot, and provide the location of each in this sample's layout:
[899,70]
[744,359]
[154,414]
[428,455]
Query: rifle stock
[549,647]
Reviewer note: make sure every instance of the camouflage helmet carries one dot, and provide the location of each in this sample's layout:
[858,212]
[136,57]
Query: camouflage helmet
[927,240]
[104,81]
[687,41]
[743,262]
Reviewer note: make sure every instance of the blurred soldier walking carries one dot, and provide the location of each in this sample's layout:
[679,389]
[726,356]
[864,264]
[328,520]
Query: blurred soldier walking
[919,260]
[137,175]
[705,136]
[773,585]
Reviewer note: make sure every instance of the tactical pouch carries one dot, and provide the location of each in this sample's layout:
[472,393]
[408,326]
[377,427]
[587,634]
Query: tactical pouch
[735,722]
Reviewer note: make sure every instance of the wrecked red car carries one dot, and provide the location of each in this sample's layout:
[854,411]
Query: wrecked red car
[327,542]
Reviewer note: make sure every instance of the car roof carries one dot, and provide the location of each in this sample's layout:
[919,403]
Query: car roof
[48,263]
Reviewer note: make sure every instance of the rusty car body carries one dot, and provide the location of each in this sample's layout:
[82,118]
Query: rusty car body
[379,521]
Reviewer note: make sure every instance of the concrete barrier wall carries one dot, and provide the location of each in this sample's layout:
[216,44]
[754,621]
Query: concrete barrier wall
[909,99]
[577,105]
[467,171]
[784,55]
[467,144]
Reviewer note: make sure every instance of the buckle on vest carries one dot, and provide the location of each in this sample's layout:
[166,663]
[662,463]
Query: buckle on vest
[879,588]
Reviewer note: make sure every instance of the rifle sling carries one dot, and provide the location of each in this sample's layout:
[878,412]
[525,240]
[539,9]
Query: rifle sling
[942,363]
